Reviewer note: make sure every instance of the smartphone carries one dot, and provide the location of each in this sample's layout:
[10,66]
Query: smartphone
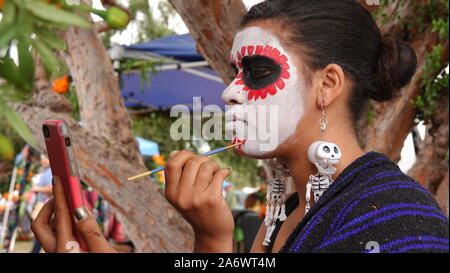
[64,165]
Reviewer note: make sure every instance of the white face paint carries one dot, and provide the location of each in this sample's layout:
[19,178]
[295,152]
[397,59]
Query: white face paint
[278,105]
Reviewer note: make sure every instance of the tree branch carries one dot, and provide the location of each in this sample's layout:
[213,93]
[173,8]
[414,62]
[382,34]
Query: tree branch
[213,24]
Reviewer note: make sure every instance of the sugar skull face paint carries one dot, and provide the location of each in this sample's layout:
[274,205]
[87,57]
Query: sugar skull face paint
[269,86]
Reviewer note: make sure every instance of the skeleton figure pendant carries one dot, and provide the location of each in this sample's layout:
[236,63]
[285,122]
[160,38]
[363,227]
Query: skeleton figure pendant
[276,198]
[275,205]
[323,155]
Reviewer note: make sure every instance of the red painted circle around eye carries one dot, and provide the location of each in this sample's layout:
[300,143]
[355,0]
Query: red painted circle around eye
[271,89]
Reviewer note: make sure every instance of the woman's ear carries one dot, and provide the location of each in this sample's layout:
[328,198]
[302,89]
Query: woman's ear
[331,85]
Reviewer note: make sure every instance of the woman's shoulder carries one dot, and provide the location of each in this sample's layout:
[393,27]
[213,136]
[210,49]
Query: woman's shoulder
[385,205]
[386,184]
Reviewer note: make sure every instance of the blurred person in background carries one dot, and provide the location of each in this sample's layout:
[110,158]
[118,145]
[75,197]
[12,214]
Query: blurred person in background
[42,192]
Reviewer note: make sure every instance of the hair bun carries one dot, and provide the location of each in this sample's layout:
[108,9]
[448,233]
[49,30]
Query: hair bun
[396,66]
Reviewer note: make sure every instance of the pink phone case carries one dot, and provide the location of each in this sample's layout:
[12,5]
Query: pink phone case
[63,164]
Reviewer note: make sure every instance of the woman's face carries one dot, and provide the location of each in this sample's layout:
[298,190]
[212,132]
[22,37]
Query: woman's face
[267,96]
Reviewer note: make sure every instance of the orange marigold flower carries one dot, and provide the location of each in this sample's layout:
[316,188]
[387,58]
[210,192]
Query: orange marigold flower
[262,211]
[159,159]
[61,84]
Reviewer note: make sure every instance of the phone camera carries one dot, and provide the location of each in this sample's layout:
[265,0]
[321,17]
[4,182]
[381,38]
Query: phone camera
[46,131]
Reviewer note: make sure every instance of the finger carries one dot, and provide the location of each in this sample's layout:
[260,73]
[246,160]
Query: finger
[63,216]
[173,170]
[190,172]
[173,153]
[88,227]
[215,187]
[205,174]
[42,229]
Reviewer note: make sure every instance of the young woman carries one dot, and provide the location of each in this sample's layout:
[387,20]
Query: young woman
[316,63]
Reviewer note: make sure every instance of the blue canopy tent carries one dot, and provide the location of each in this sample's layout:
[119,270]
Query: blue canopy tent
[147,147]
[180,47]
[183,75]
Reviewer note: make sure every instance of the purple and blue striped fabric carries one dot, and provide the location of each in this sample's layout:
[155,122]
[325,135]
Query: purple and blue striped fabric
[372,201]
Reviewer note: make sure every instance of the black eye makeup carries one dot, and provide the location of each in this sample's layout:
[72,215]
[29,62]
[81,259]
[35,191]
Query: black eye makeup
[260,71]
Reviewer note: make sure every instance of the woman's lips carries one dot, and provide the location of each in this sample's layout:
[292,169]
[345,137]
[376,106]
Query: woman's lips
[239,148]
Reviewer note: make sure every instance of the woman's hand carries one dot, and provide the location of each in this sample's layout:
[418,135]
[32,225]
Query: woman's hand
[56,234]
[194,188]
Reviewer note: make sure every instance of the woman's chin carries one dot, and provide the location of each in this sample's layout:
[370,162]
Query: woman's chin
[253,149]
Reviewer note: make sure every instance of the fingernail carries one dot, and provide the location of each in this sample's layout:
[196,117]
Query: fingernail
[81,213]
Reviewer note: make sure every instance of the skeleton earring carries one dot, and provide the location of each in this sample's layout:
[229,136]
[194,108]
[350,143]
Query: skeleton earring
[276,198]
[323,155]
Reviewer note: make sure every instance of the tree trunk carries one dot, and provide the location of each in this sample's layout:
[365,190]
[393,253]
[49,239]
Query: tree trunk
[431,165]
[442,194]
[394,120]
[105,148]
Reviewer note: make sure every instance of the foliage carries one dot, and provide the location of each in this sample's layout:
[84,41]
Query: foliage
[145,67]
[73,98]
[432,87]
[16,122]
[6,148]
[12,138]
[149,26]
[29,28]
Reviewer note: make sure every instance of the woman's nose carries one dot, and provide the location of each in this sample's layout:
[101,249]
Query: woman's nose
[234,94]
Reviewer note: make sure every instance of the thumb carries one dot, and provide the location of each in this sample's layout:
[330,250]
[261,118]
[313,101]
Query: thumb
[217,181]
[173,153]
[88,227]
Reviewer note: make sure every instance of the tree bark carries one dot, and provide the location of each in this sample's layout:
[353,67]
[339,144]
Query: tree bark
[442,195]
[394,120]
[431,165]
[213,25]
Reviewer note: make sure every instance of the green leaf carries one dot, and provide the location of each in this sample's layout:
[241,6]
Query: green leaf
[51,62]
[50,38]
[6,148]
[47,24]
[7,35]
[51,13]
[238,234]
[9,92]
[26,62]
[9,71]
[17,123]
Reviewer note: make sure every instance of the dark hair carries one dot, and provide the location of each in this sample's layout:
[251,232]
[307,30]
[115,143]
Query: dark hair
[342,32]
